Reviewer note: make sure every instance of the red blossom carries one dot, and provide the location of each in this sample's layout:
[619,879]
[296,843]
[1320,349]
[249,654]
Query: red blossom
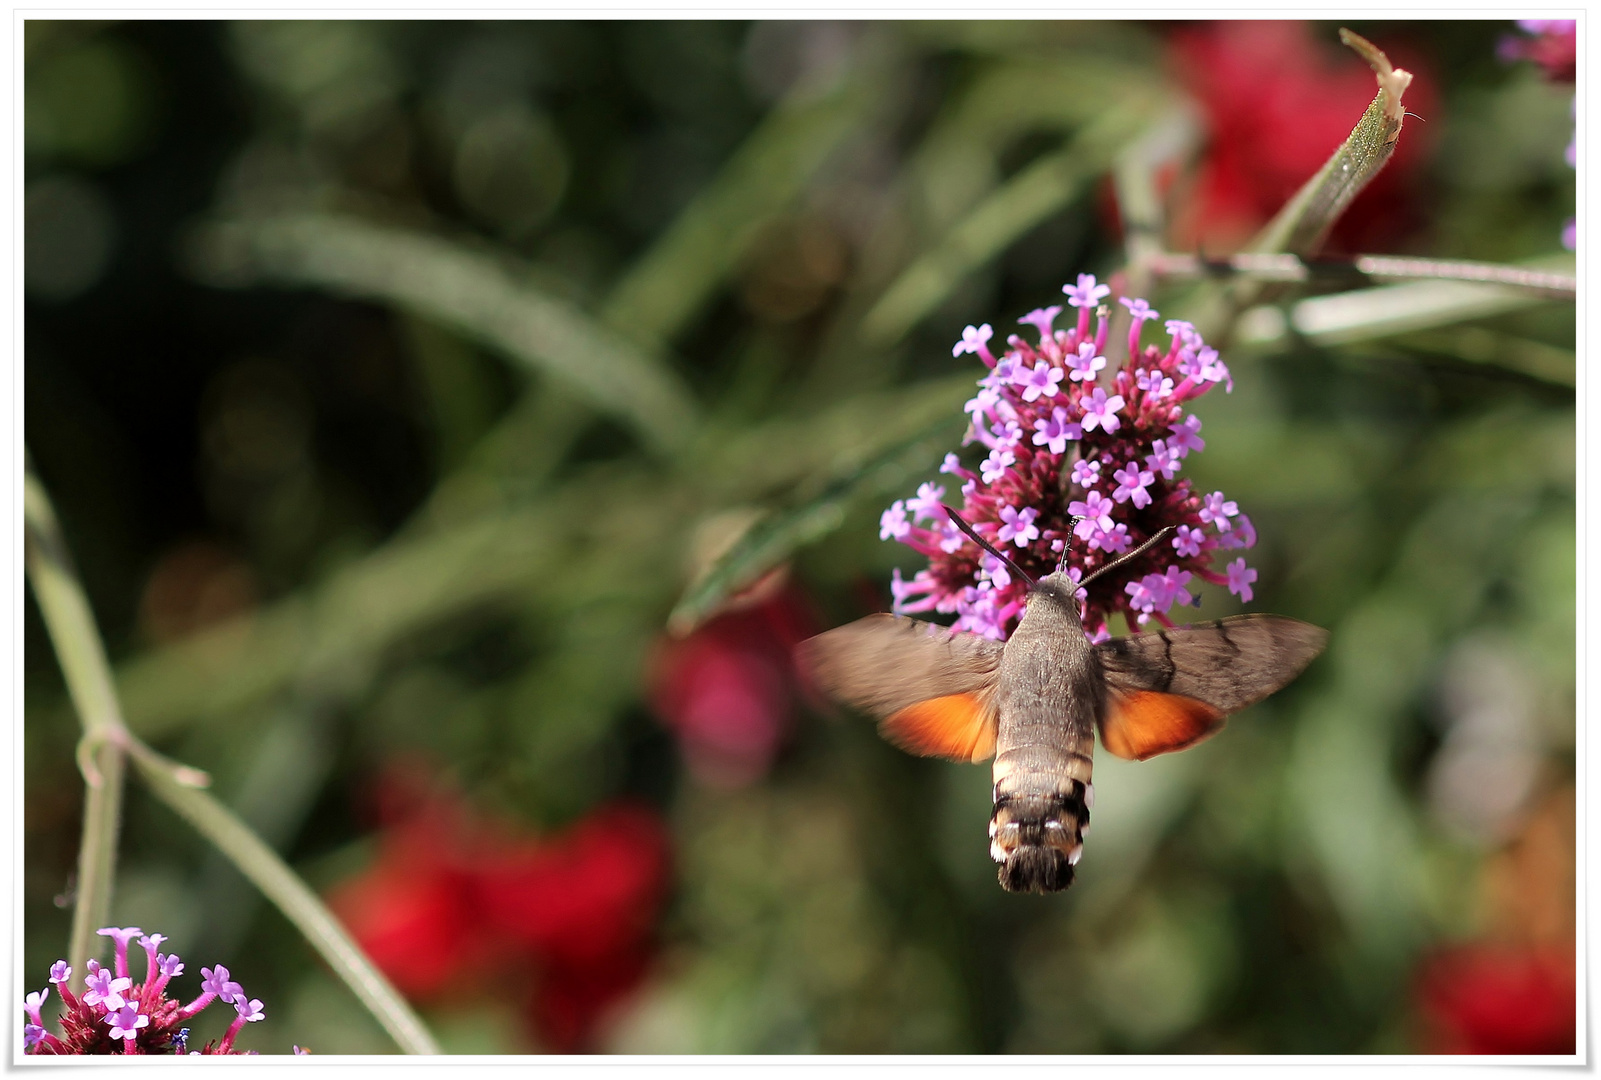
[1276,103]
[727,690]
[455,901]
[1500,999]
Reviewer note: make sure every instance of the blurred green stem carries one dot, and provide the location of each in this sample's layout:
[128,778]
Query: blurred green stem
[100,753]
[300,905]
[1363,267]
[106,739]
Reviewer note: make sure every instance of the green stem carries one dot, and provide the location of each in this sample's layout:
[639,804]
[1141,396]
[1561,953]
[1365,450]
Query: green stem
[70,623]
[107,739]
[300,905]
[1363,267]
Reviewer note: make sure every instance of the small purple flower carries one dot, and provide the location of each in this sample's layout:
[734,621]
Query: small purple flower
[994,467]
[1138,308]
[1158,592]
[251,1011]
[31,1035]
[1018,526]
[34,1002]
[973,341]
[994,571]
[126,1022]
[1083,363]
[1042,380]
[1212,368]
[1101,411]
[892,525]
[216,982]
[953,465]
[1242,535]
[1187,436]
[983,402]
[102,988]
[1086,472]
[950,537]
[1115,540]
[1042,320]
[60,971]
[301,1051]
[1164,458]
[1187,541]
[1087,294]
[1096,511]
[1056,431]
[1217,511]
[1131,484]
[926,503]
[121,935]
[171,966]
[1183,333]
[1240,578]
[1154,383]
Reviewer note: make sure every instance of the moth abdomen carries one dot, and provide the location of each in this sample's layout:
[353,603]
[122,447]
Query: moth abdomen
[1038,839]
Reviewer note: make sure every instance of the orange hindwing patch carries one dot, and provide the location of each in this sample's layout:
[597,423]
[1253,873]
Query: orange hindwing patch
[1143,723]
[960,727]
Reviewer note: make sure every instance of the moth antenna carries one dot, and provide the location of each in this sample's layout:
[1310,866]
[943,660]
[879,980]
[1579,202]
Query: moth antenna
[985,544]
[1072,523]
[1121,559]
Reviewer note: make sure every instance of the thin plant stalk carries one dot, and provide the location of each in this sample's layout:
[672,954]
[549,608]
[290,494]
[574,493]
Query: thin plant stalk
[107,740]
[77,645]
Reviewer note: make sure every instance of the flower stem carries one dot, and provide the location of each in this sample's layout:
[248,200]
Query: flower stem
[77,644]
[107,743]
[300,905]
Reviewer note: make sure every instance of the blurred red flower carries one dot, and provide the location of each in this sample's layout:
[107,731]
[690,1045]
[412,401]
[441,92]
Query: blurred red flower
[1515,991]
[728,689]
[563,922]
[1495,999]
[1276,103]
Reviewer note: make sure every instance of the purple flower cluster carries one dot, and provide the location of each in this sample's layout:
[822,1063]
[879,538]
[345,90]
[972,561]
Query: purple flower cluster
[116,1016]
[1080,458]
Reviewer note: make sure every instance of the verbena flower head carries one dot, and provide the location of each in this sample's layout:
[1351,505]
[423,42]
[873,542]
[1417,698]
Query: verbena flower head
[115,1015]
[1080,458]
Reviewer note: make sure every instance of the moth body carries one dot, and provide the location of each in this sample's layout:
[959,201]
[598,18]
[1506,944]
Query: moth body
[1049,696]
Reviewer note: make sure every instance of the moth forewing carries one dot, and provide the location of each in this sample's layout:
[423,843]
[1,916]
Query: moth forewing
[931,688]
[1169,689]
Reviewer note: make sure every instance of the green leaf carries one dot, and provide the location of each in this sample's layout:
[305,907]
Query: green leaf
[1024,201]
[1301,226]
[773,539]
[472,292]
[670,282]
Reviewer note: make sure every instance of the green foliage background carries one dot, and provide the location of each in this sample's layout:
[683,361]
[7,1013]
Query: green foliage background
[453,335]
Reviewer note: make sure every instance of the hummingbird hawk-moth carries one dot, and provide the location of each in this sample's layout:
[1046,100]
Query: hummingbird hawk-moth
[1036,701]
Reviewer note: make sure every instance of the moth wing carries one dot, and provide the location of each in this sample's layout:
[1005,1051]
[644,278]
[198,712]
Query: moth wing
[931,688]
[1170,689]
